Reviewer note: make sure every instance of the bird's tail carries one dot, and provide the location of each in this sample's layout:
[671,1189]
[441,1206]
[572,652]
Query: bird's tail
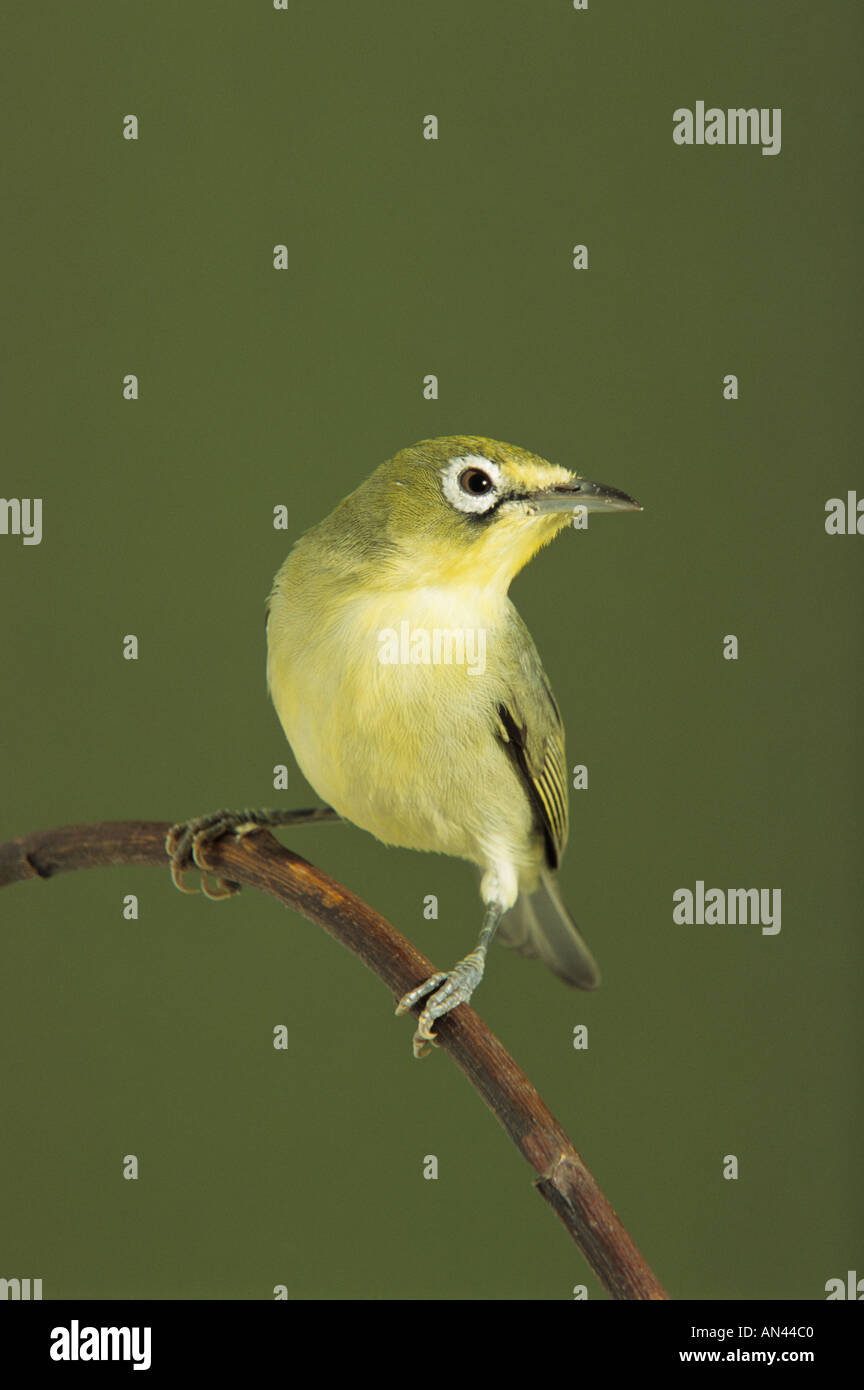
[539,924]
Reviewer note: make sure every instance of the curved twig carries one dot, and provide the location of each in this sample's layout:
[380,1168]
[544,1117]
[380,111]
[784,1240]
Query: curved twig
[259,861]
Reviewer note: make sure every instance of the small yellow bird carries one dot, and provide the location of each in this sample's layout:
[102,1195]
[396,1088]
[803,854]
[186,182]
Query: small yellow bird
[413,696]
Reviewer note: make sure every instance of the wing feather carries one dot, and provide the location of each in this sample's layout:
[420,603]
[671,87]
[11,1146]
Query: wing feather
[538,757]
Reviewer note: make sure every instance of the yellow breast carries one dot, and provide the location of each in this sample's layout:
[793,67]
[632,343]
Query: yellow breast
[388,701]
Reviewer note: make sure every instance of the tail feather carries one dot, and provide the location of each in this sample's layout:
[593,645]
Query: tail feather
[539,925]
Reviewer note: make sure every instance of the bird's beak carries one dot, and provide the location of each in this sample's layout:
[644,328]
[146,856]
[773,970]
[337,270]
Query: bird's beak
[594,497]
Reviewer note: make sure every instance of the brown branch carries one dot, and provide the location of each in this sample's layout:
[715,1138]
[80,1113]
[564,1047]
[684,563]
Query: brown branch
[259,861]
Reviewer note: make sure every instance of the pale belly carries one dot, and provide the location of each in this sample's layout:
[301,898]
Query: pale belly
[405,749]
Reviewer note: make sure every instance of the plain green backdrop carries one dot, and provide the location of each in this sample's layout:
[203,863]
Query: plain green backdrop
[260,388]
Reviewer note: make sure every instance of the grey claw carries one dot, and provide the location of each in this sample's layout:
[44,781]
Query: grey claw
[410,999]
[182,844]
[456,987]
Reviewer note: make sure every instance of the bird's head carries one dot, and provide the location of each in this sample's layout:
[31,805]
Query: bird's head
[464,509]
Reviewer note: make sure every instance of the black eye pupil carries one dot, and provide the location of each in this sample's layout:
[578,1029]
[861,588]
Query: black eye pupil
[474,480]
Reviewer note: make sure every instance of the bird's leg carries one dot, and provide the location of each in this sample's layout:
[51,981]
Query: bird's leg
[186,837]
[456,985]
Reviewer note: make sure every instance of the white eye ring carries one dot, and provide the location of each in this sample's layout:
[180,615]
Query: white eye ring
[476,502]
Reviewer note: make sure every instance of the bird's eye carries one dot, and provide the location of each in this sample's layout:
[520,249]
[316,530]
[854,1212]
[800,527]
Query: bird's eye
[472,484]
[475,482]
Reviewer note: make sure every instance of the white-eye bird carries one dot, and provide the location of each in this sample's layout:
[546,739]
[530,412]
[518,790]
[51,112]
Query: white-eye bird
[375,628]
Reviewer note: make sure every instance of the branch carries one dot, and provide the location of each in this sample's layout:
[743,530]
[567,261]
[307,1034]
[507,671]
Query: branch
[259,861]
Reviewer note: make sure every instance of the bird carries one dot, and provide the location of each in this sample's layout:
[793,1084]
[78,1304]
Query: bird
[412,693]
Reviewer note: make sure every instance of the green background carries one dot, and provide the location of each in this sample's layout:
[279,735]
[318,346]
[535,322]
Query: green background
[260,388]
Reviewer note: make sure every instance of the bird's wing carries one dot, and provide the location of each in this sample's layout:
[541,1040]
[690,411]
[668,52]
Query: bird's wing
[530,727]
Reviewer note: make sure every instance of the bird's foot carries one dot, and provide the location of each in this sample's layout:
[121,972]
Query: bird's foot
[185,840]
[456,987]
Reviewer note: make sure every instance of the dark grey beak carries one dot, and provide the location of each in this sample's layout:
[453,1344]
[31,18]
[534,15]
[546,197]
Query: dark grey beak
[594,497]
